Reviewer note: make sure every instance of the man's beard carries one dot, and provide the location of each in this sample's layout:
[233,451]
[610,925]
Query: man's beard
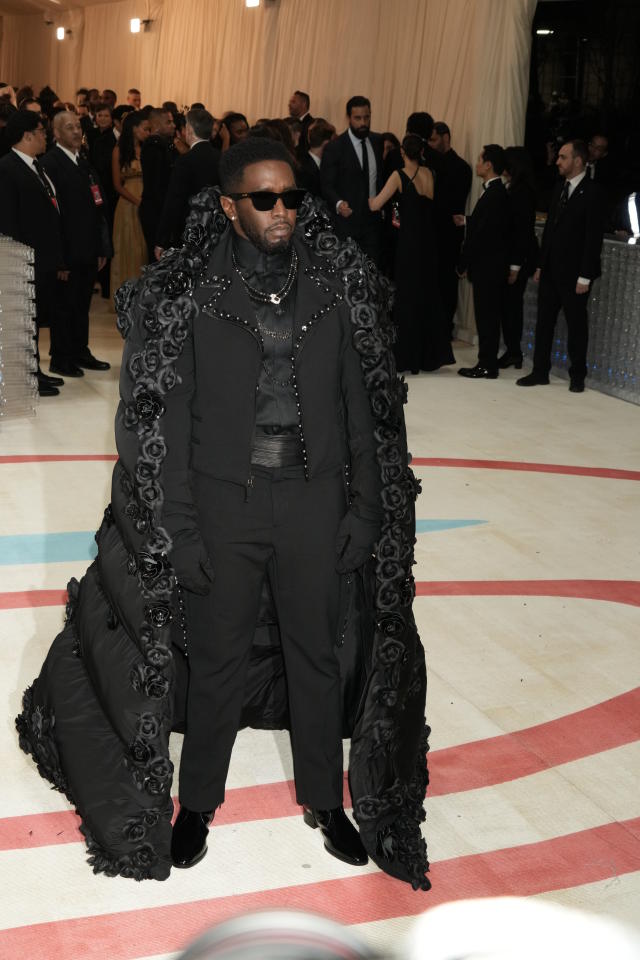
[361,133]
[261,241]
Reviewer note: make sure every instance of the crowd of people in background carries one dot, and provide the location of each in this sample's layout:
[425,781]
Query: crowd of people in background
[116,179]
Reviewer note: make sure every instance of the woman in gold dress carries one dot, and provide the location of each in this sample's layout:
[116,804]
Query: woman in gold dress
[130,248]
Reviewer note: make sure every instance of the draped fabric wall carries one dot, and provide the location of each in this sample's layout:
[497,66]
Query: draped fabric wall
[466,61]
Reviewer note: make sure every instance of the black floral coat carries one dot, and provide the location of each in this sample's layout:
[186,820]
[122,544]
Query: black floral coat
[97,720]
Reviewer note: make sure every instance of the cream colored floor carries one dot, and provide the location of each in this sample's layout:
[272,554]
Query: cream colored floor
[496,664]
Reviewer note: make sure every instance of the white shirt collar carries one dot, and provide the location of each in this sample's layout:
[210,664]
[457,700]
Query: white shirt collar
[356,141]
[199,140]
[575,181]
[72,156]
[314,157]
[300,119]
[490,180]
[25,156]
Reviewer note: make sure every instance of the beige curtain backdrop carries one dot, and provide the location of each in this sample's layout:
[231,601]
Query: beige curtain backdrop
[466,61]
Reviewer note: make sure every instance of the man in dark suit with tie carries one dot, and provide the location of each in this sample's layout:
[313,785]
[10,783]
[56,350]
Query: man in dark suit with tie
[193,172]
[351,172]
[308,174]
[100,157]
[299,104]
[85,239]
[29,213]
[569,263]
[157,159]
[484,259]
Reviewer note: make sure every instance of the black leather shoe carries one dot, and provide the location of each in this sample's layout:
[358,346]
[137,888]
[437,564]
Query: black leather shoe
[341,839]
[51,381]
[65,369]
[478,373]
[576,386]
[510,360]
[89,362]
[47,389]
[189,837]
[532,380]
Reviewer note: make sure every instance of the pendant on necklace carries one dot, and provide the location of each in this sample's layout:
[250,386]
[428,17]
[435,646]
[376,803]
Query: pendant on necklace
[274,298]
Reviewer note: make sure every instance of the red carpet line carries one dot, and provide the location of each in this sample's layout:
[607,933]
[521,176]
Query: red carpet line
[568,861]
[467,766]
[605,473]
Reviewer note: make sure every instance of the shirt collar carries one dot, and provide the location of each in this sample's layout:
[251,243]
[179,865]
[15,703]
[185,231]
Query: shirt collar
[72,156]
[574,181]
[485,185]
[314,157]
[196,142]
[356,140]
[24,156]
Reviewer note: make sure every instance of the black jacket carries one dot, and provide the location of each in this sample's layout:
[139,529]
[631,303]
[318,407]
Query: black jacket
[485,251]
[452,186]
[308,175]
[342,179]
[572,240]
[84,228]
[523,246]
[97,720]
[156,160]
[100,154]
[28,215]
[191,173]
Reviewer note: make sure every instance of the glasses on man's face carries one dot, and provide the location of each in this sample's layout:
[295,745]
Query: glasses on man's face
[264,200]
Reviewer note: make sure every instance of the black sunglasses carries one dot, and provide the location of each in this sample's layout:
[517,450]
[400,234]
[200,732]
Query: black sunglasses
[266,199]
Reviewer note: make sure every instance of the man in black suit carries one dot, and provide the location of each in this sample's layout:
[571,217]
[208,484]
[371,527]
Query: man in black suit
[452,186]
[351,172]
[569,263]
[192,172]
[484,259]
[100,155]
[308,175]
[85,241]
[299,104]
[157,159]
[29,213]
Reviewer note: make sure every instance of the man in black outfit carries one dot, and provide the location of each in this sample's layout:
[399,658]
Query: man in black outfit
[273,399]
[192,172]
[156,158]
[351,172]
[100,156]
[569,263]
[85,240]
[299,104]
[484,259]
[29,213]
[452,186]
[320,133]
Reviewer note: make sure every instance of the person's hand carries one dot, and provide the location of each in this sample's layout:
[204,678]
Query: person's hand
[344,209]
[459,219]
[191,564]
[461,274]
[355,542]
[371,203]
[157,252]
[536,276]
[63,275]
[582,288]
[513,276]
[101,263]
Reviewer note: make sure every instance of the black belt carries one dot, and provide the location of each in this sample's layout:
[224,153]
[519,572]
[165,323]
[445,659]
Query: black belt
[276,449]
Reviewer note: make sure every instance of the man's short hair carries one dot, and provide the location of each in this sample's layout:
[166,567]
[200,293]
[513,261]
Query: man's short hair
[82,90]
[421,124]
[354,102]
[303,96]
[244,154]
[493,153]
[7,110]
[120,112]
[197,106]
[133,90]
[580,149]
[441,128]
[102,106]
[320,132]
[201,122]
[157,113]
[19,123]
[112,92]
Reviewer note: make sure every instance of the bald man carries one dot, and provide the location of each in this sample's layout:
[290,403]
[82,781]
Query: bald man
[86,243]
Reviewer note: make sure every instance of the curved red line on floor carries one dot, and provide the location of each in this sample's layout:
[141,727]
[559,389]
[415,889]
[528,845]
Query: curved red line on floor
[607,473]
[466,766]
[587,856]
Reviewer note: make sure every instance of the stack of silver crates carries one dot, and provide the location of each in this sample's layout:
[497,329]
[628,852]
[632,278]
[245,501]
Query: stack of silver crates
[18,366]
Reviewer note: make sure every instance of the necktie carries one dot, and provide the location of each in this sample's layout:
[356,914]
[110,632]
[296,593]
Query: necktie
[562,202]
[365,167]
[45,182]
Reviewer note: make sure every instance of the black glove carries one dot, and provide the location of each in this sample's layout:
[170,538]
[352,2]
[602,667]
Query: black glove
[355,542]
[191,563]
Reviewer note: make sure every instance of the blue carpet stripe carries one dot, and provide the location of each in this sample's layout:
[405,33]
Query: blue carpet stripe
[47,548]
[434,526]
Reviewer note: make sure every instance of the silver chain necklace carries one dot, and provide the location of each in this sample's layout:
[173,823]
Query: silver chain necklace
[272,298]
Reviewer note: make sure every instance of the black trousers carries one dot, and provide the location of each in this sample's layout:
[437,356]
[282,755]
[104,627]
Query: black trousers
[49,311]
[554,295]
[513,314]
[488,303]
[286,530]
[74,299]
[449,246]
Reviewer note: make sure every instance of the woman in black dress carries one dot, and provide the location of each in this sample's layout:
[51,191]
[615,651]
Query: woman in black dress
[422,337]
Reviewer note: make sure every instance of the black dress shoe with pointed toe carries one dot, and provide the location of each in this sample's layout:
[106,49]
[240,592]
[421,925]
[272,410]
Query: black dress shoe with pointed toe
[341,839]
[478,373]
[510,360]
[89,362]
[532,380]
[47,389]
[65,369]
[189,837]
[576,386]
